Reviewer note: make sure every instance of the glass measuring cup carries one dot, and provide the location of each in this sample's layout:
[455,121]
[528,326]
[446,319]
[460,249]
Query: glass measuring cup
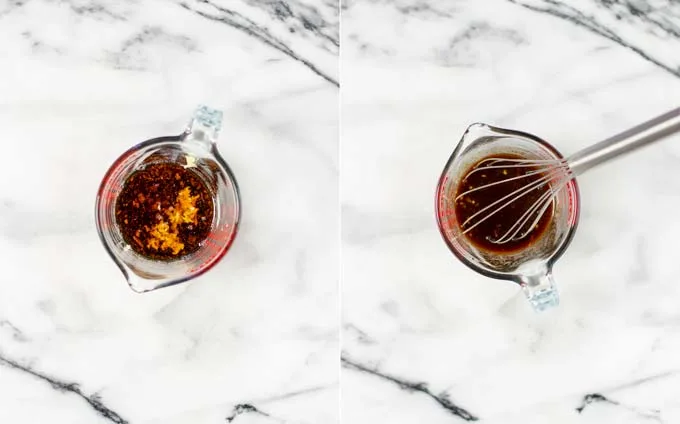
[195,148]
[531,267]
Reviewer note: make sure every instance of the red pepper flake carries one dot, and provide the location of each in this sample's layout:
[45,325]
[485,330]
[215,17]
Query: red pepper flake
[164,211]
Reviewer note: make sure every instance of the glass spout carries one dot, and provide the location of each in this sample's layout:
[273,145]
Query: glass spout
[142,279]
[474,133]
[143,284]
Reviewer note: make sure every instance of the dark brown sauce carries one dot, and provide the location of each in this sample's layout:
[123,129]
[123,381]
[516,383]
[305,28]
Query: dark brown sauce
[493,228]
[164,211]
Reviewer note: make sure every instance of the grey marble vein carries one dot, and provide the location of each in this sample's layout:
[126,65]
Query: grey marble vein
[305,31]
[358,334]
[591,398]
[292,394]
[461,52]
[95,9]
[99,10]
[126,57]
[303,18]
[422,8]
[244,408]
[415,387]
[16,333]
[650,29]
[94,400]
[644,380]
[248,26]
[11,6]
[249,409]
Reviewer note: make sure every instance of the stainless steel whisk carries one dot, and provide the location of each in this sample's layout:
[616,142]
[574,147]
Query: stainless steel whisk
[557,173]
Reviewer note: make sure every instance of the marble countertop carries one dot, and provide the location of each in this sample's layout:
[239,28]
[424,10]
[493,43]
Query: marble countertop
[424,338]
[254,340]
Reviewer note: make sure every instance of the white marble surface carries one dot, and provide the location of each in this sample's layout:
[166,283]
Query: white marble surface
[252,341]
[427,340]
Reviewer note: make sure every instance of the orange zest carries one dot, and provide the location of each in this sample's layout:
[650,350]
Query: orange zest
[165,235]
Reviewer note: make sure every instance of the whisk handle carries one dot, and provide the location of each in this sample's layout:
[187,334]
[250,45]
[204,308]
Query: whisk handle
[627,141]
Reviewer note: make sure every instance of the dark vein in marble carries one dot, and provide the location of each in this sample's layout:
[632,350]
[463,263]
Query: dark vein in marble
[573,15]
[293,394]
[131,56]
[17,334]
[93,9]
[413,387]
[93,400]
[653,414]
[249,27]
[302,16]
[625,10]
[423,9]
[480,29]
[359,335]
[460,52]
[644,380]
[245,408]
[150,33]
[249,408]
[592,398]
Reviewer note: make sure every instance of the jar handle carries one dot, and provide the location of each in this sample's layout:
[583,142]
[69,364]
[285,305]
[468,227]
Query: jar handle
[540,289]
[204,126]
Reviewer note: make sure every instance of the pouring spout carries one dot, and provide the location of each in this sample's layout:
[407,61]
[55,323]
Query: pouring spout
[142,283]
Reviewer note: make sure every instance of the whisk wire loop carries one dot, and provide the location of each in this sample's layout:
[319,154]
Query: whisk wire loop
[553,172]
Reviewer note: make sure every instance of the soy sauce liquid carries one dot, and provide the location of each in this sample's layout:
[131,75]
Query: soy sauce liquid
[493,228]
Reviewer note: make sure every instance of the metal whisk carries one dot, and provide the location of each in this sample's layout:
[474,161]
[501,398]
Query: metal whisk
[557,173]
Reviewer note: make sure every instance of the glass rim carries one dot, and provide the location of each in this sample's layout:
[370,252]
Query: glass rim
[573,220]
[195,272]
